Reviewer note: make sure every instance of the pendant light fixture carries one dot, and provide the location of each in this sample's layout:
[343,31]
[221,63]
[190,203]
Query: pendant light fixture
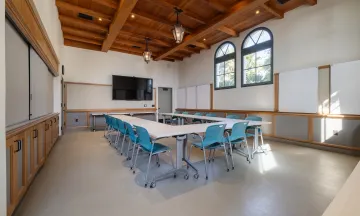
[178,30]
[147,52]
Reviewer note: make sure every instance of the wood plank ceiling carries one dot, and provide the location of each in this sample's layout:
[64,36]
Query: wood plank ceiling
[123,25]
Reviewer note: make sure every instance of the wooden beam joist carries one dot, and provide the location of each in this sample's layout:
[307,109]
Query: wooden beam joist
[228,31]
[311,2]
[81,33]
[78,44]
[237,9]
[108,3]
[77,9]
[121,15]
[133,51]
[81,39]
[167,5]
[216,4]
[133,43]
[278,14]
[153,31]
[90,25]
[201,45]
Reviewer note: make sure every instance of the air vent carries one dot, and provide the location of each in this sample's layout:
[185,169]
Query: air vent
[136,47]
[192,46]
[283,1]
[85,16]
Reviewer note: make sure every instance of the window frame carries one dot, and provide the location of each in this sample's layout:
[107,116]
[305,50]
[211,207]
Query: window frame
[254,49]
[224,59]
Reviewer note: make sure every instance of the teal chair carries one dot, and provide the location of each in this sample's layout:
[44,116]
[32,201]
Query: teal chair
[197,120]
[233,117]
[132,139]
[251,129]
[148,146]
[211,115]
[213,139]
[173,120]
[120,128]
[238,135]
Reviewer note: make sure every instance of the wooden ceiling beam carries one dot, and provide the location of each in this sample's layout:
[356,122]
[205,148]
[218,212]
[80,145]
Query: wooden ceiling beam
[81,33]
[167,5]
[237,9]
[88,24]
[77,44]
[278,14]
[311,2]
[81,39]
[201,45]
[133,43]
[77,9]
[142,37]
[228,31]
[216,4]
[108,3]
[154,31]
[121,15]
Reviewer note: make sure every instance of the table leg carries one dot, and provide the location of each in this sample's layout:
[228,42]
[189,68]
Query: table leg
[256,143]
[94,123]
[164,122]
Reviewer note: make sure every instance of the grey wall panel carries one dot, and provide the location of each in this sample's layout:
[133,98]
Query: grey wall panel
[76,119]
[348,131]
[292,127]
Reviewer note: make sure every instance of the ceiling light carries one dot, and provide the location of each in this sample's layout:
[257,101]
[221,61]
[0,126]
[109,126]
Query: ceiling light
[204,39]
[258,11]
[133,16]
[147,52]
[178,30]
[100,19]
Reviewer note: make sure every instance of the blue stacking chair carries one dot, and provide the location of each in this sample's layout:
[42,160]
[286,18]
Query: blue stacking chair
[120,128]
[147,145]
[173,120]
[185,113]
[233,117]
[107,124]
[111,128]
[238,135]
[210,115]
[197,120]
[214,139]
[132,139]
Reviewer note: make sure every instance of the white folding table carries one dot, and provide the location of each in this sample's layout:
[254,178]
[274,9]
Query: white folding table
[227,121]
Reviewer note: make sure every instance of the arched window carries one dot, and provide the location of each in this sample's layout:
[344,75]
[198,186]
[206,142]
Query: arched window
[257,58]
[225,64]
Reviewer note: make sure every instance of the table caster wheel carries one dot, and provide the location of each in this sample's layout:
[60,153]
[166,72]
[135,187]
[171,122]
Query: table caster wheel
[186,177]
[175,175]
[227,170]
[146,185]
[153,185]
[134,172]
[207,178]
[233,168]
[158,165]
[196,176]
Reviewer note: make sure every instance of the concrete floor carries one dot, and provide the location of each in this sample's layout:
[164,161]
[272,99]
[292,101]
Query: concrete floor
[85,176]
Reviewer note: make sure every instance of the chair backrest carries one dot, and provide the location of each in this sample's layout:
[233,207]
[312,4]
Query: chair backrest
[233,117]
[253,118]
[238,131]
[198,114]
[144,139]
[106,119]
[177,112]
[211,115]
[130,132]
[214,134]
[113,122]
[120,126]
[185,113]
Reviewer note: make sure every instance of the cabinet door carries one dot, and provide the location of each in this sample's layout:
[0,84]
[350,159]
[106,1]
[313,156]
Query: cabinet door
[28,149]
[41,144]
[18,167]
[11,202]
[48,140]
[35,162]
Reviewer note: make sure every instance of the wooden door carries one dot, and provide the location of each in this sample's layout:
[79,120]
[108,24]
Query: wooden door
[10,178]
[18,180]
[41,150]
[28,148]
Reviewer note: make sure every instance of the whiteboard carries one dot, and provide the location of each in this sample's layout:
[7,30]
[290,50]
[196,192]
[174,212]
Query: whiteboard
[345,88]
[191,97]
[181,98]
[298,91]
[81,96]
[203,97]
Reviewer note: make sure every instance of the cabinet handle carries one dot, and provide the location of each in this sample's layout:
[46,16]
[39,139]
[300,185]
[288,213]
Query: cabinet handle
[46,127]
[18,147]
[36,132]
[55,120]
[50,122]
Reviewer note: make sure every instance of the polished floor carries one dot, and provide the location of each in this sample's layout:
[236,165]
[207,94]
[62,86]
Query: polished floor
[84,176]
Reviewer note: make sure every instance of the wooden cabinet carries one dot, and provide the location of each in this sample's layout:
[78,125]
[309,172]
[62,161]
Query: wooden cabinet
[26,152]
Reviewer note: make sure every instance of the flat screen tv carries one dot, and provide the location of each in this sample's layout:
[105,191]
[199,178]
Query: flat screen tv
[132,88]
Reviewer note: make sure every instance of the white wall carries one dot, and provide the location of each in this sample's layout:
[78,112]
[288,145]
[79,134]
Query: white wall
[308,36]
[3,205]
[98,67]
[49,17]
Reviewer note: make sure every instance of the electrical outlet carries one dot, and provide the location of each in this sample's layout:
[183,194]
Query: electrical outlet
[76,120]
[145,105]
[336,132]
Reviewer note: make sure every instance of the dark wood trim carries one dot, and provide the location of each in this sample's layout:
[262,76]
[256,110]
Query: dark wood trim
[276,92]
[112,110]
[27,20]
[81,83]
[324,67]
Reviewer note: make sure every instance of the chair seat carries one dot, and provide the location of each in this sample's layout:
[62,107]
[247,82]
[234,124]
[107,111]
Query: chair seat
[212,146]
[157,148]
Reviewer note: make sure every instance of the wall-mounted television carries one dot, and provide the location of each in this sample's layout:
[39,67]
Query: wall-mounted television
[132,88]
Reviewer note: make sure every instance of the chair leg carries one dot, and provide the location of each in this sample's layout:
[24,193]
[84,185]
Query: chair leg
[116,140]
[248,150]
[189,153]
[122,145]
[213,156]
[132,157]
[147,170]
[157,160]
[209,158]
[226,158]
[137,153]
[206,171]
[231,154]
[262,142]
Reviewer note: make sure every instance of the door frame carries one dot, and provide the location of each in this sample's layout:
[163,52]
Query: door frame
[158,98]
